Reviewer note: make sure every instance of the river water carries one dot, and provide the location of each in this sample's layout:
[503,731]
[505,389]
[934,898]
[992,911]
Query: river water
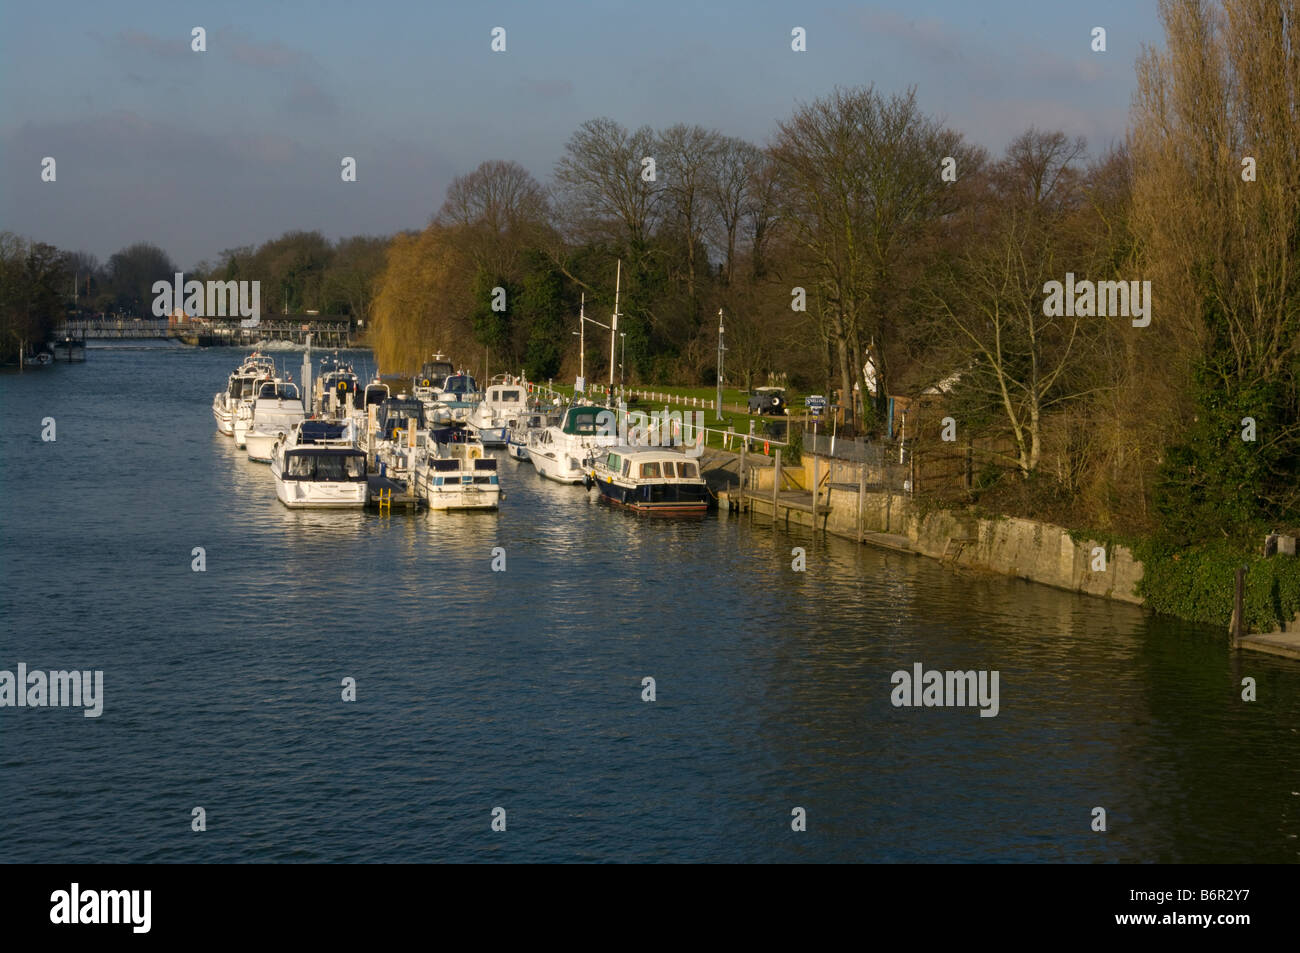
[523,689]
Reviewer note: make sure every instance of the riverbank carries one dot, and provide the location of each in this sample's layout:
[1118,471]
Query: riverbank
[1027,549]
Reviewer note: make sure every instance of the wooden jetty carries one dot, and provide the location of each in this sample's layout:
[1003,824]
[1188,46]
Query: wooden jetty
[784,499]
[385,493]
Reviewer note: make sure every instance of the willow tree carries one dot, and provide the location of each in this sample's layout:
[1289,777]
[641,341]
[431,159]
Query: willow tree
[421,300]
[1216,148]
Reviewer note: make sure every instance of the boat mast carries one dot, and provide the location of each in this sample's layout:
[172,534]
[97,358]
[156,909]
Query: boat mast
[613,326]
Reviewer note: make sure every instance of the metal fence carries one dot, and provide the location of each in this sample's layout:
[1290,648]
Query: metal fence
[863,463]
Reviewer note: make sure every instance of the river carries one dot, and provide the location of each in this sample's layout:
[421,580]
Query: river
[523,689]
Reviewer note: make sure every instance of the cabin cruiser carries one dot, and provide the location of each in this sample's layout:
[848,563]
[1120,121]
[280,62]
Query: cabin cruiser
[518,434]
[376,393]
[398,434]
[563,452]
[243,383]
[656,481]
[457,399]
[338,389]
[244,410]
[275,411]
[455,473]
[501,407]
[428,383]
[318,465]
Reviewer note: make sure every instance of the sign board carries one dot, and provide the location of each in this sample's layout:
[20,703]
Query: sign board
[815,403]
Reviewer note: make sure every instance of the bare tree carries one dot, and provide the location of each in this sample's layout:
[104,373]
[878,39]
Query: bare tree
[600,184]
[500,208]
[861,179]
[729,188]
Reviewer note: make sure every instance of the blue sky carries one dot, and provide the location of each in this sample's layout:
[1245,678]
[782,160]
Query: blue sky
[203,151]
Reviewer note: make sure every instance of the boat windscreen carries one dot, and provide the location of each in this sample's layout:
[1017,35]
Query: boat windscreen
[326,467]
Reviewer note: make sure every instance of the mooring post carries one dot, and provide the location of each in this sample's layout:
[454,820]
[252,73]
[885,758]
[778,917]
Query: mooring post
[1237,627]
[743,487]
[862,495]
[816,483]
[776,481]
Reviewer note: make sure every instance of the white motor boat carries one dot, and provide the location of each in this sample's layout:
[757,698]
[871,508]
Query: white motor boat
[428,383]
[400,432]
[455,473]
[276,410]
[243,383]
[563,453]
[318,466]
[502,405]
[518,435]
[338,390]
[456,400]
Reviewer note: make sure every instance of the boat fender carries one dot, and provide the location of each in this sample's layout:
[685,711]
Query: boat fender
[425,382]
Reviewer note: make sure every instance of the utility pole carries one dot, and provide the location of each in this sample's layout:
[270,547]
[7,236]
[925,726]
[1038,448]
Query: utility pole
[718,404]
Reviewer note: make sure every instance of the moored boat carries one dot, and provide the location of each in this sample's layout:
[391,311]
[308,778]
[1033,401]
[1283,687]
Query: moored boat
[524,427]
[563,452]
[502,405]
[653,481]
[318,466]
[242,384]
[455,473]
[275,411]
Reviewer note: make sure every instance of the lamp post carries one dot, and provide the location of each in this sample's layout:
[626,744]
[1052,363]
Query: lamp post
[717,407]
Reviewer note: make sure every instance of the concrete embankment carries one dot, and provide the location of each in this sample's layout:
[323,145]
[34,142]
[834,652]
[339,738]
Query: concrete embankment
[1038,552]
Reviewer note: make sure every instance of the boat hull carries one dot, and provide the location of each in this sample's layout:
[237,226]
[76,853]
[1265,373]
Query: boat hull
[686,499]
[304,495]
[551,468]
[259,445]
[224,419]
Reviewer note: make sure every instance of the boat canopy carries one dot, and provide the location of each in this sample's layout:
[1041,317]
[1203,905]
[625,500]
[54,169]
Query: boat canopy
[587,421]
[325,464]
[458,385]
[319,431]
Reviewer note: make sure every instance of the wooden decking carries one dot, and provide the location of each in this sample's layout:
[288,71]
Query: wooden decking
[386,494]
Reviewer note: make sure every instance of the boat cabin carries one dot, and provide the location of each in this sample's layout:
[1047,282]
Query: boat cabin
[400,413]
[461,387]
[278,390]
[324,464]
[651,481]
[434,373]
